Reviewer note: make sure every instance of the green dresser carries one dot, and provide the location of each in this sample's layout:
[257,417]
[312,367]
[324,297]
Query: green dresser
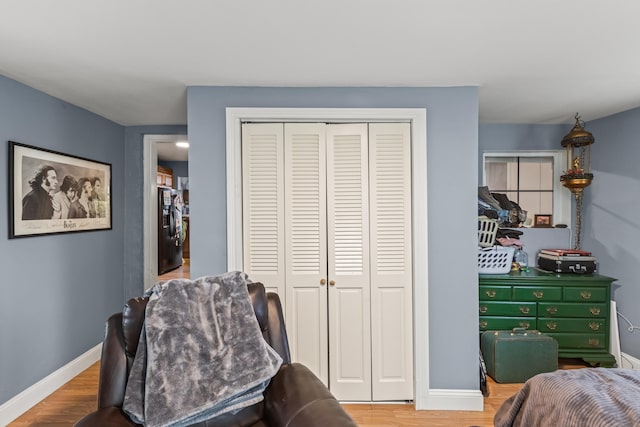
[572,308]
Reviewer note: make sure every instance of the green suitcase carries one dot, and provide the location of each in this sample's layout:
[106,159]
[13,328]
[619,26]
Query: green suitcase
[515,356]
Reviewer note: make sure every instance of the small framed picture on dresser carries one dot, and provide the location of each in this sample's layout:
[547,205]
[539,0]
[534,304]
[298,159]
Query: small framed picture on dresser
[542,221]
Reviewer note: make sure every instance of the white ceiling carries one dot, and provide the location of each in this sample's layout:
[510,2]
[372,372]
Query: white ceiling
[131,61]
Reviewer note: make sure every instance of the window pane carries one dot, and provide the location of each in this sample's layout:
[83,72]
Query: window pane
[512,175]
[546,203]
[513,196]
[529,180]
[496,174]
[501,173]
[530,202]
[546,175]
[536,203]
[529,174]
[536,173]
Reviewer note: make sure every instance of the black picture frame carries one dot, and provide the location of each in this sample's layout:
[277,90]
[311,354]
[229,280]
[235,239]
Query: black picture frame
[33,196]
[543,221]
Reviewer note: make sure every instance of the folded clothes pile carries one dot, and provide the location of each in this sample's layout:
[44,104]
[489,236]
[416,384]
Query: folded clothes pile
[498,206]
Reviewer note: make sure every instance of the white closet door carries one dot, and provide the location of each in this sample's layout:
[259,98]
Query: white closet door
[305,245]
[333,203]
[348,262]
[391,265]
[263,204]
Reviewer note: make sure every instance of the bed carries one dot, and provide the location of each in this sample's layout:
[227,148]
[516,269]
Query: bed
[588,397]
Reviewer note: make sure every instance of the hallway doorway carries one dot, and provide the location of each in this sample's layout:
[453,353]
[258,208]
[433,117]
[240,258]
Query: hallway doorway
[154,150]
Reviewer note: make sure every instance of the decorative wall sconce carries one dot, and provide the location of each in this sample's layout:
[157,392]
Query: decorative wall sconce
[578,174]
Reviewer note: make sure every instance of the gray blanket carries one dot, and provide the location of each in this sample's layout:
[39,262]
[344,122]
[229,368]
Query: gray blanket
[201,353]
[589,397]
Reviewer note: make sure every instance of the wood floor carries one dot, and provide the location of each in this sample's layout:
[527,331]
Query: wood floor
[182,272]
[79,396]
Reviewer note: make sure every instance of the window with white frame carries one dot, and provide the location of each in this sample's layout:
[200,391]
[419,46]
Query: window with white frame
[531,179]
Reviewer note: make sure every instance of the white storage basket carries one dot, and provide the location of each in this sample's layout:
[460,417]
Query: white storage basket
[495,260]
[487,229]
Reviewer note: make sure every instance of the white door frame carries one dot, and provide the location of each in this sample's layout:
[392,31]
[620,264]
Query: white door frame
[150,206]
[418,119]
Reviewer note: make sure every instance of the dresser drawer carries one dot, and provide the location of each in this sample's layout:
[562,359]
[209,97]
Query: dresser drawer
[568,309]
[571,325]
[529,293]
[580,341]
[495,308]
[497,293]
[500,323]
[573,308]
[584,294]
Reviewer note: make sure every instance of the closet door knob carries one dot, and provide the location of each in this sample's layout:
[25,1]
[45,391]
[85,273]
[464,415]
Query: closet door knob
[332,283]
[323,281]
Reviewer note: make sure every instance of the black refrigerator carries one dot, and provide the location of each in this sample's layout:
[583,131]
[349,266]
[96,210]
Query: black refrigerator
[169,231]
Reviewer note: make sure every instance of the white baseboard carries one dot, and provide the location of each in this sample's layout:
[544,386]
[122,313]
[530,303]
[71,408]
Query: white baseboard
[452,400]
[24,401]
[614,334]
[630,362]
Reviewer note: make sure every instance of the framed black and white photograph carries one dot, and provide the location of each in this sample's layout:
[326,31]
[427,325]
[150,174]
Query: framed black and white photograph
[52,192]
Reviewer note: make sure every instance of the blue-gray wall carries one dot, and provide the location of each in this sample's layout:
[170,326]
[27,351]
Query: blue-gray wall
[56,291]
[497,137]
[611,223]
[452,153]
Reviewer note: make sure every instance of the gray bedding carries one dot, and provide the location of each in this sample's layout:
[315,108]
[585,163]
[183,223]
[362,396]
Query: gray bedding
[201,353]
[589,397]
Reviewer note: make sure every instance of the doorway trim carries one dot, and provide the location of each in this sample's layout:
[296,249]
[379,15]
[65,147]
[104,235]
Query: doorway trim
[417,117]
[149,208]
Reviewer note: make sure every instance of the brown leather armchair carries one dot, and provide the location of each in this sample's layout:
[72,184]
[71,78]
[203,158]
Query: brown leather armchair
[295,397]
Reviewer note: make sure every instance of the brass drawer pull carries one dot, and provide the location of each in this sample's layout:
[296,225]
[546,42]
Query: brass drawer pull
[483,309]
[594,326]
[524,310]
[538,294]
[483,324]
[552,325]
[491,293]
[585,295]
[594,310]
[524,325]
[552,310]
[594,342]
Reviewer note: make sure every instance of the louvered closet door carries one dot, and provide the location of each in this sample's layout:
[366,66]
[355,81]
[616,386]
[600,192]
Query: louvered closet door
[348,261]
[263,204]
[333,202]
[305,245]
[391,261]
